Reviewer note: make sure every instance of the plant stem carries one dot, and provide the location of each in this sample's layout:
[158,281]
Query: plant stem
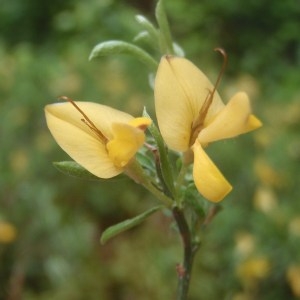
[136,172]
[190,248]
[159,195]
[166,43]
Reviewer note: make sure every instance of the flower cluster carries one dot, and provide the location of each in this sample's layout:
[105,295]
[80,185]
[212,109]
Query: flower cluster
[105,142]
[190,115]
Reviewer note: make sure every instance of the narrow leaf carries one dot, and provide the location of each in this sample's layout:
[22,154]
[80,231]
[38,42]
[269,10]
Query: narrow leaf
[145,161]
[149,27]
[127,224]
[145,38]
[120,47]
[178,51]
[142,36]
[193,201]
[72,168]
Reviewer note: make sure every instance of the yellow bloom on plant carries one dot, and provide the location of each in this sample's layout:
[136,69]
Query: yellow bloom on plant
[8,232]
[191,114]
[101,139]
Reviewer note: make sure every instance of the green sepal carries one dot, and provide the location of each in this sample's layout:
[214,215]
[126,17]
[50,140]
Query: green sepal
[127,224]
[73,169]
[165,165]
[164,29]
[121,47]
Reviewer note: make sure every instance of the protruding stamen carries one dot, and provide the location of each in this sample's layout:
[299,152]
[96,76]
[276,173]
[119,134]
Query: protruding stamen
[225,61]
[198,124]
[86,120]
[211,94]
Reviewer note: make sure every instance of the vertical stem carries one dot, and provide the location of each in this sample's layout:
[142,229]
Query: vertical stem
[190,249]
[166,42]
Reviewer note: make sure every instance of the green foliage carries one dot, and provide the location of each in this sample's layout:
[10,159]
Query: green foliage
[250,250]
[120,47]
[72,168]
[164,169]
[261,37]
[127,224]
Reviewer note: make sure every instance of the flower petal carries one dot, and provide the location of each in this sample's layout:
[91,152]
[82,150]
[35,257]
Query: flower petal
[141,122]
[208,179]
[126,142]
[180,91]
[79,141]
[234,119]
[101,115]
[252,124]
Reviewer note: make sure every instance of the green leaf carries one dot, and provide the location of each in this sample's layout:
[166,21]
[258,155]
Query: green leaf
[194,202]
[120,47]
[165,33]
[178,50]
[143,36]
[145,161]
[127,224]
[72,168]
[165,166]
[149,27]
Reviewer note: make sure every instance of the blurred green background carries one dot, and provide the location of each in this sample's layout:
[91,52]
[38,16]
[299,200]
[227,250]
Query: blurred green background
[50,223]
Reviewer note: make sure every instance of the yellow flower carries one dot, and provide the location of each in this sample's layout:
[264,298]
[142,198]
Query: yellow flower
[293,277]
[191,115]
[8,232]
[101,139]
[252,270]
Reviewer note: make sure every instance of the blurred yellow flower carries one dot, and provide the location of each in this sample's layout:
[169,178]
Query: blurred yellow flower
[242,296]
[19,160]
[253,269]
[294,227]
[265,199]
[268,174]
[244,244]
[8,232]
[191,115]
[293,277]
[101,139]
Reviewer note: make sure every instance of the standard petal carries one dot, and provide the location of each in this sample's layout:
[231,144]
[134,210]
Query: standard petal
[78,140]
[126,142]
[208,179]
[180,91]
[234,119]
[101,115]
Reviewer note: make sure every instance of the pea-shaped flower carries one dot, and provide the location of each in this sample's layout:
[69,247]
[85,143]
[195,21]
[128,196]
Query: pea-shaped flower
[191,114]
[101,139]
